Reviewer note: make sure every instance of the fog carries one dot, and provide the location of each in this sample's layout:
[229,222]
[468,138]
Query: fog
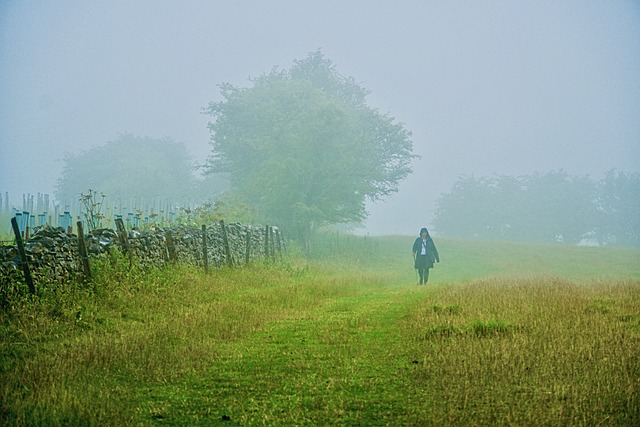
[500,87]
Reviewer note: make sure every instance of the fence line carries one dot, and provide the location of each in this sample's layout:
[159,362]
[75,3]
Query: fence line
[38,210]
[53,256]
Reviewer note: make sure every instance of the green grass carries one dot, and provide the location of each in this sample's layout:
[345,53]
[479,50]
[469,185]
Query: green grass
[503,334]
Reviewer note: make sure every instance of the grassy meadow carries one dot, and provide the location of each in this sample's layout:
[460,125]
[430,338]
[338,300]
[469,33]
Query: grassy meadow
[503,334]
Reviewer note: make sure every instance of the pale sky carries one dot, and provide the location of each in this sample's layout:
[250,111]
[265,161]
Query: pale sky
[500,87]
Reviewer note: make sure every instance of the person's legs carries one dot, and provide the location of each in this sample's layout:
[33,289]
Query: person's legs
[426,275]
[421,273]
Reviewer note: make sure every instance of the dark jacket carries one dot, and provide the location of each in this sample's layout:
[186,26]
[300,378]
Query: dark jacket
[431,253]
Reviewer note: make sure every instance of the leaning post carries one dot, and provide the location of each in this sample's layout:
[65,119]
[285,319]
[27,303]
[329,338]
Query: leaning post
[23,256]
[225,241]
[123,239]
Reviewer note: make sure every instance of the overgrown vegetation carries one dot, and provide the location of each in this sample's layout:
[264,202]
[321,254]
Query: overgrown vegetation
[500,337]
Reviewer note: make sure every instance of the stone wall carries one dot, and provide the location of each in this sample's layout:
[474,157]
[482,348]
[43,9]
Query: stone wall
[54,257]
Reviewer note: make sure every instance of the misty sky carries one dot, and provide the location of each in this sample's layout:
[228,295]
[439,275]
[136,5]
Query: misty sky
[499,87]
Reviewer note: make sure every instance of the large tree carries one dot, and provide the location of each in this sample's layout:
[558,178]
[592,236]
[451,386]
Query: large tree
[304,148]
[130,167]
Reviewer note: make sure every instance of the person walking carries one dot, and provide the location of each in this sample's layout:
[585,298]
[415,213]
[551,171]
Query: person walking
[424,255]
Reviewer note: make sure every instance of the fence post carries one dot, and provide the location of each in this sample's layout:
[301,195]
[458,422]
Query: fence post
[283,245]
[205,256]
[124,240]
[272,244]
[171,249]
[225,241]
[266,241]
[278,241]
[83,252]
[23,256]
[247,248]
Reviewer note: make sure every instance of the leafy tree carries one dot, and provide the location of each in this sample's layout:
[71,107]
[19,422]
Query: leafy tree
[130,167]
[303,147]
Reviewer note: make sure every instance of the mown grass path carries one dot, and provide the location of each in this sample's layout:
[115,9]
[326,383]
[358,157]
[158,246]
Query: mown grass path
[342,360]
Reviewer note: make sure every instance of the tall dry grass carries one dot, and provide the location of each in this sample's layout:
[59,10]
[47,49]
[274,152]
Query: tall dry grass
[525,351]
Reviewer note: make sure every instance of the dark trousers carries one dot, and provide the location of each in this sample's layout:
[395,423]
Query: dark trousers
[424,275]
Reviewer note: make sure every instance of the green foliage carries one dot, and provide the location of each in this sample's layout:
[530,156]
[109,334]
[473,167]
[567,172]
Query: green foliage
[551,207]
[302,146]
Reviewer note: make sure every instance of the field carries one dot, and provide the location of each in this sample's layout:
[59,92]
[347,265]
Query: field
[503,334]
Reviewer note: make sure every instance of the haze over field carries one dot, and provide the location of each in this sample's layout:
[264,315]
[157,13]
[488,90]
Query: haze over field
[498,88]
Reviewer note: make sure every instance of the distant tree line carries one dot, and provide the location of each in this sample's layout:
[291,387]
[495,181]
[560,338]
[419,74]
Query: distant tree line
[544,207]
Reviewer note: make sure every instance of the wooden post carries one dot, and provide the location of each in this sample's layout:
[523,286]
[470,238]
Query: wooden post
[278,241]
[23,256]
[272,244]
[225,241]
[171,248]
[205,256]
[247,247]
[124,240]
[266,241]
[84,257]
[283,245]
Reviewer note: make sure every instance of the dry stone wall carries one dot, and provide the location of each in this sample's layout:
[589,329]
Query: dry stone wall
[54,256]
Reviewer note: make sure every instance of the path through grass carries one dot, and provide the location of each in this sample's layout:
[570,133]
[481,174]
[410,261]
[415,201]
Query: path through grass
[339,361]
